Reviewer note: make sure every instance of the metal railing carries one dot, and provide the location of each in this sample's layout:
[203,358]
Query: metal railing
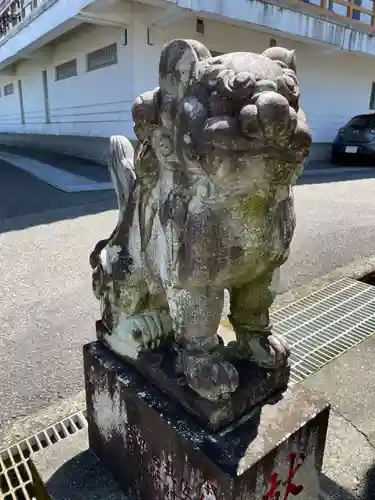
[13,12]
[358,12]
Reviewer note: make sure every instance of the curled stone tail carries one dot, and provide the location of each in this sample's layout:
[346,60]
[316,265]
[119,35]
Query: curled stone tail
[121,168]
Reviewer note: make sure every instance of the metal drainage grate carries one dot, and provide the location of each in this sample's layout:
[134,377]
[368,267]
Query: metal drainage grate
[325,324]
[15,474]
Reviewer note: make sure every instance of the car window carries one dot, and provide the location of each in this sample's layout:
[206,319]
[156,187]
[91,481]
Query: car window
[359,122]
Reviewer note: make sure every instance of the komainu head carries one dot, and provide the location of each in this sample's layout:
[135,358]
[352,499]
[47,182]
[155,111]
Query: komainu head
[240,106]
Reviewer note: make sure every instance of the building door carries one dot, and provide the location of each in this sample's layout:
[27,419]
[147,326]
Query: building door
[47,113]
[20,97]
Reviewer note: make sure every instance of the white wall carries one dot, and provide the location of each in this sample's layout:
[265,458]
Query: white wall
[146,58]
[334,87]
[30,74]
[95,103]
[10,114]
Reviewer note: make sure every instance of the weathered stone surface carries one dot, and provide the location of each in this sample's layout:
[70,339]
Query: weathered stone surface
[69,470]
[256,385]
[205,204]
[152,444]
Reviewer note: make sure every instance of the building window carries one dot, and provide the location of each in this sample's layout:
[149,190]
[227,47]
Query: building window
[372,97]
[200,26]
[66,70]
[9,89]
[358,10]
[356,13]
[102,57]
[338,8]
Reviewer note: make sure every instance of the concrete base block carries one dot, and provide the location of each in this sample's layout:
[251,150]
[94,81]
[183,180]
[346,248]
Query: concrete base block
[69,470]
[160,451]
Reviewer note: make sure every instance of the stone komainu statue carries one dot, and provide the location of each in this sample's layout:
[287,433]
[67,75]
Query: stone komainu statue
[205,205]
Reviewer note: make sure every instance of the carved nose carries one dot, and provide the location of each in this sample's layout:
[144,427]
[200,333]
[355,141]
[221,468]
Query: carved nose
[270,113]
[249,120]
[273,108]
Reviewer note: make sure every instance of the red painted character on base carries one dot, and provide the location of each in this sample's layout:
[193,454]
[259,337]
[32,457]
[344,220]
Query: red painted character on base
[273,493]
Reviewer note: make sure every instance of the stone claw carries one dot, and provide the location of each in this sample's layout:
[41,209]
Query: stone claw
[270,351]
[210,376]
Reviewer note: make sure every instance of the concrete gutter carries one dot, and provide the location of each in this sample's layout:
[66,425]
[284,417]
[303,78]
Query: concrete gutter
[45,417]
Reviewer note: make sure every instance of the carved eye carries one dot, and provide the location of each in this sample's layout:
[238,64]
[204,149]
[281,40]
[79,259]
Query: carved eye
[165,145]
[231,84]
[288,87]
[291,84]
[249,120]
[291,74]
[193,113]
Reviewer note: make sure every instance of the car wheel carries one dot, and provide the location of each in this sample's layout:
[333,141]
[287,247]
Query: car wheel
[336,158]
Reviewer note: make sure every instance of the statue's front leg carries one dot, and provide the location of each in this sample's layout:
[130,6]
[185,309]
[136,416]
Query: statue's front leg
[196,316]
[249,315]
[134,313]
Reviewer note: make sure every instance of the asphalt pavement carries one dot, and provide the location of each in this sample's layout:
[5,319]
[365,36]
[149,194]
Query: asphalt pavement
[48,311]
[335,224]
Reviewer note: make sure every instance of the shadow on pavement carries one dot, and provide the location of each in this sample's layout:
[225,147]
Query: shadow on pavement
[82,477]
[26,201]
[48,217]
[324,177]
[330,490]
[72,164]
[368,492]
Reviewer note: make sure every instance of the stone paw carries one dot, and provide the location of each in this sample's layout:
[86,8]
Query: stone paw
[269,351]
[142,332]
[210,376]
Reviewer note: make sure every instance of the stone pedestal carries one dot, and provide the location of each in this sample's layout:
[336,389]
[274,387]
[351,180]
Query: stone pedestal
[156,450]
[256,385]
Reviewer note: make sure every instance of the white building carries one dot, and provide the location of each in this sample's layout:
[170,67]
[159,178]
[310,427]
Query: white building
[70,69]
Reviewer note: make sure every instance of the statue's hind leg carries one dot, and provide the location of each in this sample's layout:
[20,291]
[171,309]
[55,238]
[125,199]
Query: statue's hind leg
[249,315]
[196,316]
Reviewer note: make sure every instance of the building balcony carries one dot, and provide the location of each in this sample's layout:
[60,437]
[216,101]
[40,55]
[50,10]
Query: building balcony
[336,25]
[14,12]
[360,13]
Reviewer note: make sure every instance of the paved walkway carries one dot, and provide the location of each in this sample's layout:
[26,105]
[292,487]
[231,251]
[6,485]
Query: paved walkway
[56,177]
[349,384]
